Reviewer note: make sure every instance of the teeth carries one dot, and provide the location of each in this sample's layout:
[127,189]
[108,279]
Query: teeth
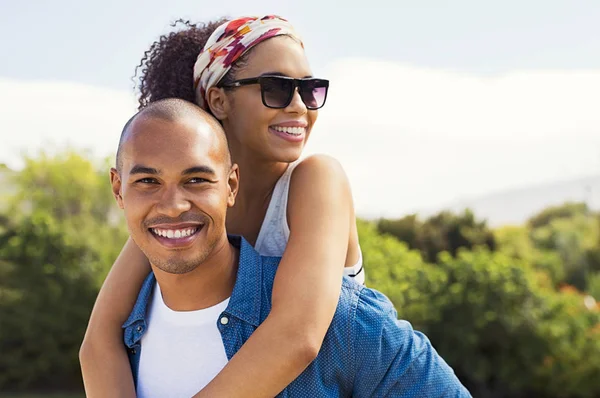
[174,233]
[290,130]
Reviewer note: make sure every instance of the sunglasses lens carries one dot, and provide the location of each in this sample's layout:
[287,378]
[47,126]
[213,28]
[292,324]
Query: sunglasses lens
[276,91]
[314,92]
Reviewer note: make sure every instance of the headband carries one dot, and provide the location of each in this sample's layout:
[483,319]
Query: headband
[228,43]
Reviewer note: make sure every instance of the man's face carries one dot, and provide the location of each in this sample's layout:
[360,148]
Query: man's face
[175,186]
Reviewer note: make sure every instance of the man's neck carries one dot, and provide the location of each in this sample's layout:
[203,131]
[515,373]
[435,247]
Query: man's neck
[207,285]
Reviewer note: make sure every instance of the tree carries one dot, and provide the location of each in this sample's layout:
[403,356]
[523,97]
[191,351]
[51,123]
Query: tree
[566,210]
[60,233]
[575,240]
[442,232]
[494,317]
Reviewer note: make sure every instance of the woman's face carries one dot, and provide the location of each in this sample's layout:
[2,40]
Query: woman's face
[274,135]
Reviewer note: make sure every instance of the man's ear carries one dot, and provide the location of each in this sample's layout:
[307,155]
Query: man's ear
[233,182]
[115,181]
[218,102]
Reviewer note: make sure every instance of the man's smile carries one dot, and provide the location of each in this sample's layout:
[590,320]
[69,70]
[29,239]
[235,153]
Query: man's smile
[176,236]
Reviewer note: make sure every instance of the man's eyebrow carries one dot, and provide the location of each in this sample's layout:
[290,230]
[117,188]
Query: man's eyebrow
[199,170]
[139,169]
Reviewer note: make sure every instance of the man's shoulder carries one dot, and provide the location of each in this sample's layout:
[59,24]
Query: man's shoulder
[138,311]
[364,299]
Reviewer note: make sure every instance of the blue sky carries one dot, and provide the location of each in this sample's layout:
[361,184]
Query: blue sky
[99,42]
[451,99]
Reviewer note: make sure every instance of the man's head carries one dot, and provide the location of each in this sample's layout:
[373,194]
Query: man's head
[174,179]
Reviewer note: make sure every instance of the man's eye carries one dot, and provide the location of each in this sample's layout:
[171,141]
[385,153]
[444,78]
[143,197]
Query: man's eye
[147,181]
[197,180]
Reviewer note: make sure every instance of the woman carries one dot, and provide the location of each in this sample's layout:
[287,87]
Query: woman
[253,76]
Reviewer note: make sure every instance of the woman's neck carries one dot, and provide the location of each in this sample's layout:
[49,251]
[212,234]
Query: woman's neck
[257,176]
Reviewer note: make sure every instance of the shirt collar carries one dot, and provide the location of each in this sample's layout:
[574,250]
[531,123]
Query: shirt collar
[245,301]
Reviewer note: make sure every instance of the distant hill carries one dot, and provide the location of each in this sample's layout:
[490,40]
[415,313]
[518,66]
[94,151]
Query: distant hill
[517,205]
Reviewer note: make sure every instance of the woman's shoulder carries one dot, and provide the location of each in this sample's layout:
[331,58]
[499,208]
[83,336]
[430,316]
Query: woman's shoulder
[318,179]
[319,167]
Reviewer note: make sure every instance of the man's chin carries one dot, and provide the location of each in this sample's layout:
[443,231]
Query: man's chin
[176,266]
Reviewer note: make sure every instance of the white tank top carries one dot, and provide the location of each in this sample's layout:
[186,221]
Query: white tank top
[275,232]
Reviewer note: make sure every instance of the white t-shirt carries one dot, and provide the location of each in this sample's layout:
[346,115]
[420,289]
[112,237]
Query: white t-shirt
[181,351]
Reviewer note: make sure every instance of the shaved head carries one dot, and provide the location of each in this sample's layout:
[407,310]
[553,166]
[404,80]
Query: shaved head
[175,175]
[173,110]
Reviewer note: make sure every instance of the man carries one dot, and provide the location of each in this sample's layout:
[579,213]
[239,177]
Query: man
[208,292]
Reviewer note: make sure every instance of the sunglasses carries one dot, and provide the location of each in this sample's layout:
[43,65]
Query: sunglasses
[277,92]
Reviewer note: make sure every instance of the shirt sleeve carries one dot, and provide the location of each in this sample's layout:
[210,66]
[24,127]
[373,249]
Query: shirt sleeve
[391,359]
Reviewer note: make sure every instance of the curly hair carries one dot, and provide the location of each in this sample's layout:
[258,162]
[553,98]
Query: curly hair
[167,67]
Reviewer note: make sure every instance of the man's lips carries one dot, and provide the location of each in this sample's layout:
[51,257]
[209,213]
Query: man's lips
[176,235]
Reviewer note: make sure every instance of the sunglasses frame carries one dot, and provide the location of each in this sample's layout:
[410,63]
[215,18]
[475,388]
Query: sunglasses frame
[296,85]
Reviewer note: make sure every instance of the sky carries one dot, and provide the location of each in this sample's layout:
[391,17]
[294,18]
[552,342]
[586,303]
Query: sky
[430,101]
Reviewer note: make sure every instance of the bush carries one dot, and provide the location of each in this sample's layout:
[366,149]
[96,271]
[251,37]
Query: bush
[565,211]
[575,240]
[443,232]
[59,234]
[495,318]
[46,294]
[401,274]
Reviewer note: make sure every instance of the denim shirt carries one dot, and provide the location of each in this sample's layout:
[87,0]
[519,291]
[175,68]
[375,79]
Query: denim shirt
[366,352]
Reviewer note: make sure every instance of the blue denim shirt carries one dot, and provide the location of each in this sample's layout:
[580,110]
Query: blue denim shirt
[366,352]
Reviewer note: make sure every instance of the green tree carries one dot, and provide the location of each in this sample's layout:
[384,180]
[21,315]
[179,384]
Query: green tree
[566,210]
[575,239]
[401,274]
[495,317]
[46,293]
[61,231]
[516,242]
[445,231]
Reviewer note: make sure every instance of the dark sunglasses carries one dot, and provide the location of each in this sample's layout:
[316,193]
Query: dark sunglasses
[277,91]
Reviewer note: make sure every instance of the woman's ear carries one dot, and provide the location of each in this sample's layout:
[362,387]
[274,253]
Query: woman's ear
[218,102]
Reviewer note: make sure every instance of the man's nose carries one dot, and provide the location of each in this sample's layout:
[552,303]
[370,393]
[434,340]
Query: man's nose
[173,202]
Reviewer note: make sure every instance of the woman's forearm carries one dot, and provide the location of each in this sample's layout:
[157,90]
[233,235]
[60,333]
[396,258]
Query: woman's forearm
[105,369]
[104,363]
[270,360]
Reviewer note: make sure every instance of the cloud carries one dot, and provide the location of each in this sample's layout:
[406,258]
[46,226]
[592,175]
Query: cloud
[409,138]
[412,138]
[39,114]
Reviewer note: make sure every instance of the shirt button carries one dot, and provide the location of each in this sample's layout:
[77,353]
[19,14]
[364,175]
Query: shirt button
[224,320]
[139,328]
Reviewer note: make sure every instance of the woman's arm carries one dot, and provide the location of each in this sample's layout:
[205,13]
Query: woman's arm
[306,287]
[104,362]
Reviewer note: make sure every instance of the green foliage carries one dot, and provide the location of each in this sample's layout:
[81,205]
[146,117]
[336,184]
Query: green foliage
[59,235]
[401,274]
[41,331]
[443,232]
[594,285]
[496,317]
[516,243]
[508,309]
[575,240]
[566,210]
